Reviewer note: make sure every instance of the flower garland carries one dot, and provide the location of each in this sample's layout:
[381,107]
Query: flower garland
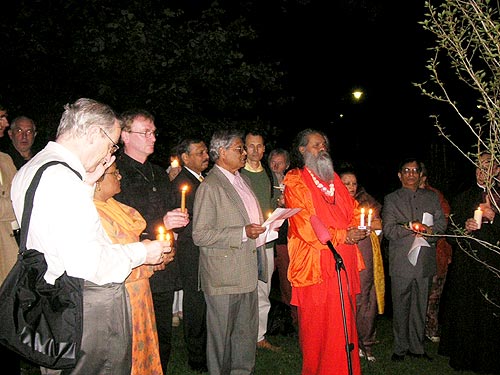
[328,192]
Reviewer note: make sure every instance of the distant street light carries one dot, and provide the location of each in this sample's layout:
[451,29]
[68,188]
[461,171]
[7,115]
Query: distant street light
[357,94]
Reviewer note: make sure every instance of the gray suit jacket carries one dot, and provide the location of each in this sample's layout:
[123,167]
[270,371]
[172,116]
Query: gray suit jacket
[227,264]
[401,207]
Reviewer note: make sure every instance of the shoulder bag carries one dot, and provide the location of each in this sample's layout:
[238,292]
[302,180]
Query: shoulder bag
[41,322]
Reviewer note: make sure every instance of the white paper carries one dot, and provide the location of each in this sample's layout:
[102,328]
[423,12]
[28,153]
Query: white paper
[273,223]
[428,219]
[418,242]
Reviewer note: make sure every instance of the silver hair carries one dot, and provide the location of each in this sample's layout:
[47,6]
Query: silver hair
[84,114]
[223,139]
[14,122]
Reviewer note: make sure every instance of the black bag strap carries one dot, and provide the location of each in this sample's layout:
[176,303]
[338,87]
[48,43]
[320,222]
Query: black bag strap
[30,195]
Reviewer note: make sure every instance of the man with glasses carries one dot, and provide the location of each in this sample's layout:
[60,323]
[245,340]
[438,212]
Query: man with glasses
[408,215]
[226,227]
[22,133]
[146,187]
[66,228]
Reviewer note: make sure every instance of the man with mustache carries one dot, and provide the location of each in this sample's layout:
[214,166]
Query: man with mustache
[193,155]
[317,189]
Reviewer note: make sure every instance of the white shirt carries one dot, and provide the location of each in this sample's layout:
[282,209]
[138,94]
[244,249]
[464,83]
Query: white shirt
[65,225]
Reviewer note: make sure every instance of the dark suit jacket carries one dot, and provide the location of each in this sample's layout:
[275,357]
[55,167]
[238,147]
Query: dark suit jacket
[401,207]
[187,253]
[227,264]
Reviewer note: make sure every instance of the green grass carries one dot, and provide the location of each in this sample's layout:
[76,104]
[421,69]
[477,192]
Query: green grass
[288,361]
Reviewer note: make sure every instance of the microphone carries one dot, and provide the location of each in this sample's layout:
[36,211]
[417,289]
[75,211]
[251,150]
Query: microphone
[325,238]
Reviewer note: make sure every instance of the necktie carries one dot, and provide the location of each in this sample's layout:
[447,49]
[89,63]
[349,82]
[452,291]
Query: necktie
[201,178]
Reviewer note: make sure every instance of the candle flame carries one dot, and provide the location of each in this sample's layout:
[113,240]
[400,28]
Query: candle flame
[363,211]
[174,163]
[479,208]
[184,188]
[161,229]
[370,211]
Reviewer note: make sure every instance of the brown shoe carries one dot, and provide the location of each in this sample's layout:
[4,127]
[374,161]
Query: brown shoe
[264,344]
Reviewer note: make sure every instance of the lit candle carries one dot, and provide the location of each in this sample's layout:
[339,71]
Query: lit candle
[174,163]
[167,239]
[362,218]
[161,236]
[183,198]
[478,217]
[370,213]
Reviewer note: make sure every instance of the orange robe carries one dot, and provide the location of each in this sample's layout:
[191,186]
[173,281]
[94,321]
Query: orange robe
[124,224]
[312,273]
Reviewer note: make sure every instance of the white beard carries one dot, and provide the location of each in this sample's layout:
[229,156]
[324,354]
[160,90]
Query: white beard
[322,165]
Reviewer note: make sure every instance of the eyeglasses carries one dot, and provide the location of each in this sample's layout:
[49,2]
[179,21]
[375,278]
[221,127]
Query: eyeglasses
[116,172]
[114,146]
[240,149]
[411,170]
[147,133]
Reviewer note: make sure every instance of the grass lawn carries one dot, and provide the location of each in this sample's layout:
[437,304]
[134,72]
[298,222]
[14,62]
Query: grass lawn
[288,361]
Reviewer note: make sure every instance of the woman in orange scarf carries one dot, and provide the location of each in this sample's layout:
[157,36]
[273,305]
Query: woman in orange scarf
[124,224]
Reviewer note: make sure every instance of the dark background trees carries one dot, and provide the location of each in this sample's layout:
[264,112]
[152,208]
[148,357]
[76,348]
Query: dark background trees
[279,65]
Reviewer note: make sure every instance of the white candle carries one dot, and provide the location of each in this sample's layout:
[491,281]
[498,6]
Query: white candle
[161,233]
[370,213]
[362,218]
[478,217]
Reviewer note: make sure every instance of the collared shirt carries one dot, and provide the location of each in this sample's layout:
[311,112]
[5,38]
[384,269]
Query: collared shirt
[246,196]
[249,168]
[65,225]
[198,176]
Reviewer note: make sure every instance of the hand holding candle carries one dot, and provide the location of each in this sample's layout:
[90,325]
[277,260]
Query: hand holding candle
[478,217]
[183,198]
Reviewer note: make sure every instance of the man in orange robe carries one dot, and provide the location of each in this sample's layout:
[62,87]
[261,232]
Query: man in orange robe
[314,187]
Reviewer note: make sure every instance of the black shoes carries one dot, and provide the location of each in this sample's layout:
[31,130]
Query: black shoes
[420,356]
[397,358]
[198,366]
[400,358]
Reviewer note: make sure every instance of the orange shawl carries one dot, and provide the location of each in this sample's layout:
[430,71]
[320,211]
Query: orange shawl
[304,248]
[123,224]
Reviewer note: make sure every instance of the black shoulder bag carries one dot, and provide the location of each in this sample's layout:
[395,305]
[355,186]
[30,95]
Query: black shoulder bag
[41,322]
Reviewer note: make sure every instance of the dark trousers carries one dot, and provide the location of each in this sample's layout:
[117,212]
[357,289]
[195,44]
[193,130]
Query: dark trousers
[194,311]
[163,302]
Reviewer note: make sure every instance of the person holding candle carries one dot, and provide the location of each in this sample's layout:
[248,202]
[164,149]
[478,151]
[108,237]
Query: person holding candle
[227,227]
[402,211]
[193,155]
[146,187]
[65,226]
[313,186]
[470,331]
[372,297]
[124,224]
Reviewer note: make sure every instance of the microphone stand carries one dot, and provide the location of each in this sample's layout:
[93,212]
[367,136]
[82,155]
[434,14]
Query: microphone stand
[339,264]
